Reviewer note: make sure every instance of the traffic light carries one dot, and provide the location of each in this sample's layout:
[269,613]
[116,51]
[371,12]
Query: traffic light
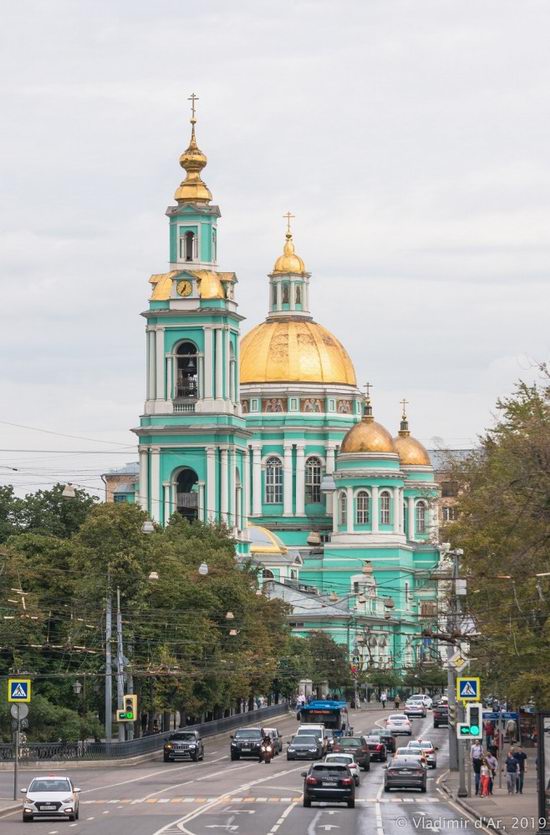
[472,728]
[129,710]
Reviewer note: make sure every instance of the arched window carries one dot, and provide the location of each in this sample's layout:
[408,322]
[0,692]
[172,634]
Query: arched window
[313,481]
[385,508]
[285,294]
[186,370]
[298,295]
[273,481]
[187,497]
[189,246]
[421,517]
[342,509]
[362,514]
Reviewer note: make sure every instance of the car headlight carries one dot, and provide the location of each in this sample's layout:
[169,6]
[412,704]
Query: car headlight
[168,746]
[292,750]
[193,745]
[312,749]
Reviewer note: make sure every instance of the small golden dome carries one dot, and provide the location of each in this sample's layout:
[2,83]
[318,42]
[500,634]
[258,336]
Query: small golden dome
[289,262]
[293,351]
[411,452]
[368,436]
[193,189]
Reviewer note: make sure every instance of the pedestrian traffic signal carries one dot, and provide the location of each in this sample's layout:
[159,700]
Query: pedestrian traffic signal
[129,710]
[472,727]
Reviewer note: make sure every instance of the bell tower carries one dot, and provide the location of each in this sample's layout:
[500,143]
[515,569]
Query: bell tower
[192,437]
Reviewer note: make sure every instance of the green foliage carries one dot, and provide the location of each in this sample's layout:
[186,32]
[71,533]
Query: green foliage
[383,678]
[43,512]
[504,529]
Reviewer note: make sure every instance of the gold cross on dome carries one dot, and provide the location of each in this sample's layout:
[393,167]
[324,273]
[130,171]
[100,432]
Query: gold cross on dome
[193,98]
[368,387]
[289,217]
[404,404]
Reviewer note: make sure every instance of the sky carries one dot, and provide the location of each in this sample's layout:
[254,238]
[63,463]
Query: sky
[408,137]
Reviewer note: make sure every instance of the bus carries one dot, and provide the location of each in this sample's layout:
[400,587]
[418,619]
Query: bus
[332,714]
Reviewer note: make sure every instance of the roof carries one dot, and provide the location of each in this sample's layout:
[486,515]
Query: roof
[132,468]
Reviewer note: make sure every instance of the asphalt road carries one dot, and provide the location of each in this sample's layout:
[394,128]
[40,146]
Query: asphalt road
[244,797]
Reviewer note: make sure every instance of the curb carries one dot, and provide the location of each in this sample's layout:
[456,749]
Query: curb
[486,821]
[10,810]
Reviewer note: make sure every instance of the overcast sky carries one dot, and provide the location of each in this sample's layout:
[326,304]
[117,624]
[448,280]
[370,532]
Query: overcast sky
[409,137]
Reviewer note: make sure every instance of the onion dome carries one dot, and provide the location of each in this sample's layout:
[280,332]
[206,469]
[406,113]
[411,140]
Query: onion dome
[368,435]
[193,189]
[411,452]
[294,351]
[289,262]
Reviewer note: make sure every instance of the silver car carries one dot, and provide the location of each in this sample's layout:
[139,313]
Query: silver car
[48,797]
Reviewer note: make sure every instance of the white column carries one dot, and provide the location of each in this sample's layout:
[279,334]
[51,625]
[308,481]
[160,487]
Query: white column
[151,365]
[227,364]
[396,506]
[246,487]
[223,487]
[155,485]
[257,479]
[166,497]
[375,511]
[207,388]
[401,512]
[287,482]
[143,496]
[410,515]
[160,364]
[210,483]
[279,296]
[219,363]
[300,480]
[201,509]
[349,502]
[170,377]
[231,489]
[292,295]
[200,374]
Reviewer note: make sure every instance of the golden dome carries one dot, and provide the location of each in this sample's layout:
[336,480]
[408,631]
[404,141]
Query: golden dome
[294,351]
[368,435]
[289,262]
[193,189]
[411,452]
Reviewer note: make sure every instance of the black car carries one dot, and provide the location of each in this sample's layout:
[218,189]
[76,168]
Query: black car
[440,715]
[405,773]
[377,749]
[386,737]
[329,781]
[183,744]
[246,743]
[356,745]
[304,747]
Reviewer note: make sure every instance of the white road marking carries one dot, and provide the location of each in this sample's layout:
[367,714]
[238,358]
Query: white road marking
[281,820]
[155,774]
[91,819]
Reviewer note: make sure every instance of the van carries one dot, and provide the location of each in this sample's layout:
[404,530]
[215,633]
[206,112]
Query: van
[317,729]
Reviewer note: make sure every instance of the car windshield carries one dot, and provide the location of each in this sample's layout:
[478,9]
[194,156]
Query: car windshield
[350,742]
[185,736]
[423,744]
[398,717]
[373,738]
[271,731]
[251,733]
[305,738]
[41,785]
[346,759]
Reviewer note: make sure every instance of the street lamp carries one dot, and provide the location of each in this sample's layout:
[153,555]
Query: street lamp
[203,569]
[77,688]
[153,576]
[147,527]
[230,616]
[68,492]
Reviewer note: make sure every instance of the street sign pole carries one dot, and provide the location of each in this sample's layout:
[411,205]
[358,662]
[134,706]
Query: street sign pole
[461,756]
[16,761]
[19,710]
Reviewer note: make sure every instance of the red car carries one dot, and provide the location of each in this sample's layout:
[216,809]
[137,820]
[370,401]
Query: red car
[377,749]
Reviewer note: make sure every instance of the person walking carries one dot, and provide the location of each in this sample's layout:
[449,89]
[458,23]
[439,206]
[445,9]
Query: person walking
[520,756]
[485,778]
[511,768]
[383,699]
[489,729]
[477,755]
[397,701]
[492,762]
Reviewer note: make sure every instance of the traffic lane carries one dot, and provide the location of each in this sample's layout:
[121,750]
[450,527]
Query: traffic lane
[431,814]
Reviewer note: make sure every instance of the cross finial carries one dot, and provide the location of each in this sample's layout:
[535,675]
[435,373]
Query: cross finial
[193,98]
[368,387]
[404,404]
[289,217]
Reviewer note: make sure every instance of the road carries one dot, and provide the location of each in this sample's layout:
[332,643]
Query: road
[245,797]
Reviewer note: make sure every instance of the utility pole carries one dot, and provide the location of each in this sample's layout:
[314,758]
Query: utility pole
[119,665]
[451,673]
[108,665]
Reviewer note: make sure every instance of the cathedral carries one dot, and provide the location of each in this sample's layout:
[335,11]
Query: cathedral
[270,435]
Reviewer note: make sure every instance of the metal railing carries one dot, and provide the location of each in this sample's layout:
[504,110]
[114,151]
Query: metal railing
[72,751]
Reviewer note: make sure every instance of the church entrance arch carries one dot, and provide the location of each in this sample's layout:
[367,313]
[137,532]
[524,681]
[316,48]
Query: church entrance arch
[187,493]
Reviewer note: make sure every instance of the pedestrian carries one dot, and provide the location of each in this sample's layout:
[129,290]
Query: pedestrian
[492,762]
[383,699]
[397,701]
[520,757]
[485,778]
[511,768]
[489,729]
[476,755]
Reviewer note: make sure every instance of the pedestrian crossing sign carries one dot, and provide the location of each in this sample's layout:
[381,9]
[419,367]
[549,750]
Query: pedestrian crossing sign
[19,690]
[468,689]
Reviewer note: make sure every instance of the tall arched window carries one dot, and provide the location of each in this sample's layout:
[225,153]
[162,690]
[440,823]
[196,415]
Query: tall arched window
[273,481]
[385,508]
[186,370]
[421,517]
[285,293]
[313,481]
[342,509]
[189,246]
[298,295]
[232,374]
[362,514]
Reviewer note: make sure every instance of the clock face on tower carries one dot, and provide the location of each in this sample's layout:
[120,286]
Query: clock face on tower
[184,288]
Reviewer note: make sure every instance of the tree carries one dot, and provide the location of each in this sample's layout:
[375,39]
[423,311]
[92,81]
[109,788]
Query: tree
[504,529]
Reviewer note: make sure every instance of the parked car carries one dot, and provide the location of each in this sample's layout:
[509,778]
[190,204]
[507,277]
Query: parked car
[441,715]
[183,744]
[426,748]
[51,797]
[304,747]
[415,709]
[349,760]
[399,723]
[329,781]
[356,745]
[385,736]
[276,738]
[377,749]
[246,742]
[405,773]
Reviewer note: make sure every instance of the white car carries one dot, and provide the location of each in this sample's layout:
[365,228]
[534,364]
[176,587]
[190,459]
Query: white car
[346,759]
[398,723]
[48,797]
[426,747]
[427,700]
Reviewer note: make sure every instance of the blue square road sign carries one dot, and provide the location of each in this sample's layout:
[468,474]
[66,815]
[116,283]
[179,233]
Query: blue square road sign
[19,690]
[468,689]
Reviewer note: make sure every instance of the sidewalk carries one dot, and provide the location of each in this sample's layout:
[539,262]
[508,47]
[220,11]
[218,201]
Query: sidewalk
[7,806]
[501,811]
